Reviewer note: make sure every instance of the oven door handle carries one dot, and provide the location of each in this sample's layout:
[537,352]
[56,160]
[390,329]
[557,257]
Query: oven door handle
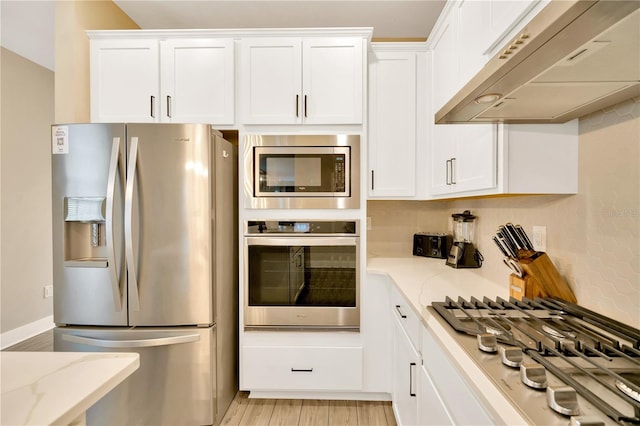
[302,241]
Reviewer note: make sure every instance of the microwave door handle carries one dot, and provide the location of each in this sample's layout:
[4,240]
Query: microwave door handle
[134,301]
[114,163]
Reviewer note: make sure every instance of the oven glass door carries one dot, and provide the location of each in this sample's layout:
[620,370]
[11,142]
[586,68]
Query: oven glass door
[302,171]
[301,281]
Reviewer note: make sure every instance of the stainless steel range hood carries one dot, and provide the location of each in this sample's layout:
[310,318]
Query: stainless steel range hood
[573,58]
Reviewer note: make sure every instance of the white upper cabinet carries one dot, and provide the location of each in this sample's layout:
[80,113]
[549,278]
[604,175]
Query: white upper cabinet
[473,36]
[397,102]
[271,80]
[493,159]
[445,61]
[154,79]
[197,81]
[125,80]
[302,80]
[463,158]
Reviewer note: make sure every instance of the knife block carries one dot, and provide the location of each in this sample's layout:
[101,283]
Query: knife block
[526,286]
[540,268]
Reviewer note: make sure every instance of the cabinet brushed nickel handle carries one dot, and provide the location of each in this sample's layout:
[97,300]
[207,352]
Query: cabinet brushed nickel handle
[302,370]
[153,101]
[305,106]
[169,106]
[453,171]
[447,169]
[297,105]
[400,312]
[411,392]
[372,181]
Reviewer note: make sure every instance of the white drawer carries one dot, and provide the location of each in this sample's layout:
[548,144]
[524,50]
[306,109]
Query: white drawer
[302,368]
[407,316]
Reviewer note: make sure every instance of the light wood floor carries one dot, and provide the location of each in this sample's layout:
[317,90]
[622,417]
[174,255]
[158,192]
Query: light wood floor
[42,342]
[308,412]
[274,412]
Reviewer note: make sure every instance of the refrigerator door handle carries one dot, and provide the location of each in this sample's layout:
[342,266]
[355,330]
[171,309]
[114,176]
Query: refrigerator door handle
[110,238]
[135,343]
[134,299]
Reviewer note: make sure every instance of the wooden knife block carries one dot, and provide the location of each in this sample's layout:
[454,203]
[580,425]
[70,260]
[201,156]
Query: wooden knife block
[541,277]
[526,286]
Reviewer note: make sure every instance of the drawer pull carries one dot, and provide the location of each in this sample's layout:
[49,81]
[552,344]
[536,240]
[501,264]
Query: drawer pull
[411,392]
[301,370]
[400,312]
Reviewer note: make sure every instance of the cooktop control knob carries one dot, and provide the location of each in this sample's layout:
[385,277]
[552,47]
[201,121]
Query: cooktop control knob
[564,400]
[487,342]
[511,356]
[586,421]
[533,375]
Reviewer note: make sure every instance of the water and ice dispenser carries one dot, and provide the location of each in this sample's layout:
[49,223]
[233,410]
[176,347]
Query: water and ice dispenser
[84,222]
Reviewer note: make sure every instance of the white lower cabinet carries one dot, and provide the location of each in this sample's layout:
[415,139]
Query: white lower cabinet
[406,362]
[426,387]
[457,401]
[431,409]
[275,361]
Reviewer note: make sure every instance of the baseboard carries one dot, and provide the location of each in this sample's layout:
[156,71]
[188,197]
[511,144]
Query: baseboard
[17,335]
[354,396]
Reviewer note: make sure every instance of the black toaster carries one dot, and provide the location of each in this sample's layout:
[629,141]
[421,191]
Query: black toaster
[431,245]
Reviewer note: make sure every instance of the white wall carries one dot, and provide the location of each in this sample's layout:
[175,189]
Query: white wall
[28,29]
[27,88]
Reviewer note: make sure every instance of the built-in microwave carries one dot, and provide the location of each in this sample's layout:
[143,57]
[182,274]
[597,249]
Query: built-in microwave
[302,171]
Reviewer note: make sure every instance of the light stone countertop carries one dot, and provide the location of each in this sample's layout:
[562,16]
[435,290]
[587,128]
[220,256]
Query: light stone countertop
[45,388]
[425,280]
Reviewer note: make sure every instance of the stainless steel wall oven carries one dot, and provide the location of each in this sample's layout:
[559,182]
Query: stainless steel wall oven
[302,171]
[302,274]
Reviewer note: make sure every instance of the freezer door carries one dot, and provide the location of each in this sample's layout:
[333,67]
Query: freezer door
[168,224]
[89,279]
[175,384]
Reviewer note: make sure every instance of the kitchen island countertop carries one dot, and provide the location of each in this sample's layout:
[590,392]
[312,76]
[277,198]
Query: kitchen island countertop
[425,280]
[44,388]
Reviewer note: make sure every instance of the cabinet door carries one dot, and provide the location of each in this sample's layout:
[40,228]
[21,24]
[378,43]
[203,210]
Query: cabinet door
[332,80]
[475,162]
[461,402]
[431,409]
[197,81]
[442,151]
[271,81]
[125,81]
[405,374]
[392,124]
[473,40]
[445,62]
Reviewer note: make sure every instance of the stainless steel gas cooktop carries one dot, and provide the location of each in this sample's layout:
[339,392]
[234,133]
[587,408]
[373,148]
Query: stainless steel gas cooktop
[558,362]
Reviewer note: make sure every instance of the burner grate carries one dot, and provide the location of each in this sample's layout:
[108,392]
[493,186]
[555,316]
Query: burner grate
[562,337]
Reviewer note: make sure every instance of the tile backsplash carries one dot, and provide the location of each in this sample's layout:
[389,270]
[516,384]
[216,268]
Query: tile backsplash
[593,237]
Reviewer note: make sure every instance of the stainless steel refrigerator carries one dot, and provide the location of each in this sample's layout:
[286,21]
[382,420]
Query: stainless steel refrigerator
[145,260]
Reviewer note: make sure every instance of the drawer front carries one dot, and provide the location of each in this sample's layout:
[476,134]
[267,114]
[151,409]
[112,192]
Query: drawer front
[408,318]
[302,368]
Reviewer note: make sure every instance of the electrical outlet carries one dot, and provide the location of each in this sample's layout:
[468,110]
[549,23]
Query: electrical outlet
[540,238]
[47,291]
[368,223]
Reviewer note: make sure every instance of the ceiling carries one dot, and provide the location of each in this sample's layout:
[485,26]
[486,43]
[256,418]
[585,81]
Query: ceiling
[412,19]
